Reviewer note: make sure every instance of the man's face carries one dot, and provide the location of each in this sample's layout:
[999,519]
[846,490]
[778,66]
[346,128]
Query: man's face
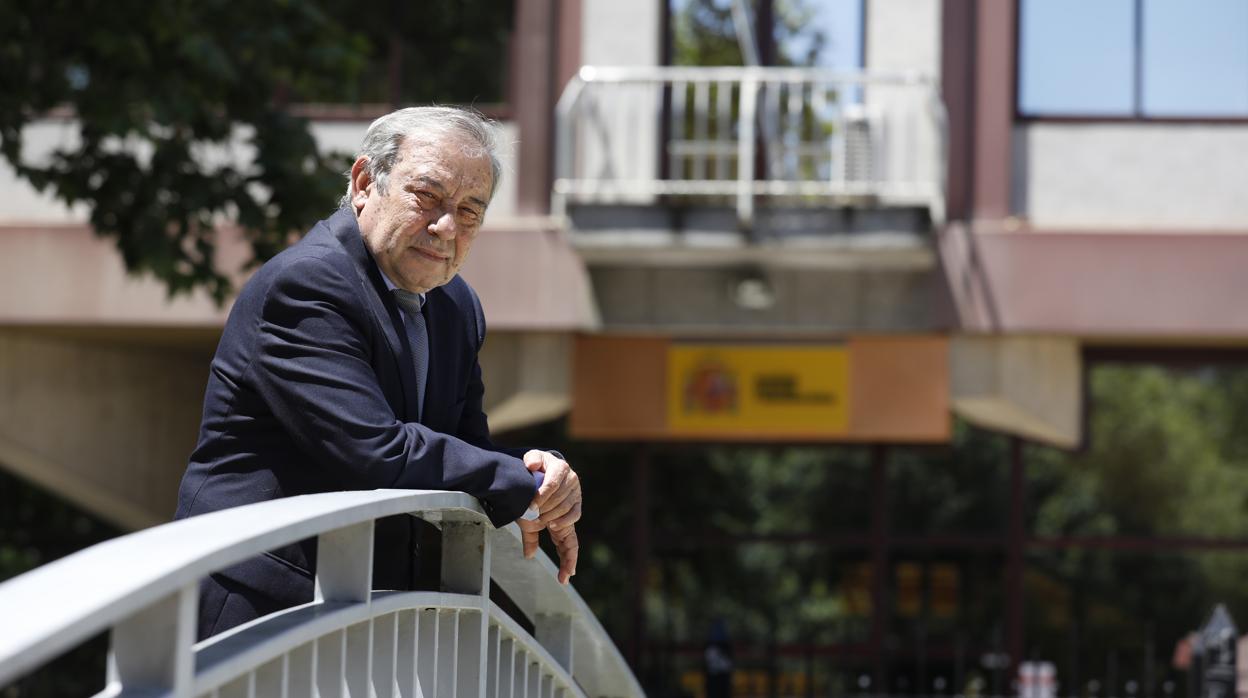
[421,229]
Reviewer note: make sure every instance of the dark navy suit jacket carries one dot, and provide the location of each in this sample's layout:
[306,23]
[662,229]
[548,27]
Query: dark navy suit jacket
[313,389]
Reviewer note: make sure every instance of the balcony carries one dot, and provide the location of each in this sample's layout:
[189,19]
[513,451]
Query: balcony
[742,200]
[727,156]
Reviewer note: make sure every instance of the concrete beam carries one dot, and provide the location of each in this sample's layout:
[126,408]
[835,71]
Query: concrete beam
[1026,386]
[527,378]
[107,426]
[1176,286]
[696,301]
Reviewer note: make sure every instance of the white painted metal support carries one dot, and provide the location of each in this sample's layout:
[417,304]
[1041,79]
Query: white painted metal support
[242,687]
[405,654]
[532,678]
[270,678]
[465,558]
[466,570]
[565,138]
[344,563]
[385,650]
[329,665]
[151,650]
[427,653]
[554,632]
[299,671]
[492,660]
[506,668]
[472,655]
[448,654]
[358,655]
[745,154]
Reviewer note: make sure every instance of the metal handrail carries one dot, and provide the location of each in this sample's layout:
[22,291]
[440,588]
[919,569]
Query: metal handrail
[592,73]
[800,112]
[144,587]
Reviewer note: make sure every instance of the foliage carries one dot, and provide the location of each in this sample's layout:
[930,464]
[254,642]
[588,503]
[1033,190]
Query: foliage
[447,52]
[1167,457]
[179,110]
[161,92]
[704,34]
[37,527]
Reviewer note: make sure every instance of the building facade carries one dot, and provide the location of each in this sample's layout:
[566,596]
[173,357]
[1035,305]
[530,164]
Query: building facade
[952,229]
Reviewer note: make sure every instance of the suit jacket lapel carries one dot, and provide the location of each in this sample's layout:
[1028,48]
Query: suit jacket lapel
[382,305]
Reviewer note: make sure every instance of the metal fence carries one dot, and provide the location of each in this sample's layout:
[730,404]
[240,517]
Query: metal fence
[631,134]
[350,641]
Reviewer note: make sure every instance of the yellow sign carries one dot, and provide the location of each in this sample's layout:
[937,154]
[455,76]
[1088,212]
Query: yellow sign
[758,389]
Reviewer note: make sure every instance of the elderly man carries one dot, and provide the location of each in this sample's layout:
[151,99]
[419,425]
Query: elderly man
[349,362]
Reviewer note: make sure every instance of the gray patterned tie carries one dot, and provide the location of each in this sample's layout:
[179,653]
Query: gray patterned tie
[418,337]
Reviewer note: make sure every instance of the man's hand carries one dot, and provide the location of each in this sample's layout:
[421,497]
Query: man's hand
[558,503]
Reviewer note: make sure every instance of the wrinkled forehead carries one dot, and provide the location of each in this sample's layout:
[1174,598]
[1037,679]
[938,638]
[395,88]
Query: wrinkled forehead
[451,155]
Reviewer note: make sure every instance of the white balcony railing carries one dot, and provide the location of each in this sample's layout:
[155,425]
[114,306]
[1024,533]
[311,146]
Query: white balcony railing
[350,641]
[630,135]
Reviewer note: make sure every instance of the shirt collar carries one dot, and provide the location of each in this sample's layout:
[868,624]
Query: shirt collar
[404,295]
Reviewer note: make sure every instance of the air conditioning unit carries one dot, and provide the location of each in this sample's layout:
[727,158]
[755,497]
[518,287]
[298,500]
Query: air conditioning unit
[856,149]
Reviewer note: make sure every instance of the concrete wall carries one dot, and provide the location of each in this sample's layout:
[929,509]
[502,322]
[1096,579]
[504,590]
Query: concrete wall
[620,33]
[1131,176]
[621,131]
[106,424]
[904,36]
[66,275]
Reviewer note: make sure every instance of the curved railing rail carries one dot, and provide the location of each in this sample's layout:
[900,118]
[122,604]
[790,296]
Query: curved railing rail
[350,641]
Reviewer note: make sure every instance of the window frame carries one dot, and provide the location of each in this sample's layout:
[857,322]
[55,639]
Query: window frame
[1136,116]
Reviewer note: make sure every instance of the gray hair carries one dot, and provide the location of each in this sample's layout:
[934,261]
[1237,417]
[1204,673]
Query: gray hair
[386,136]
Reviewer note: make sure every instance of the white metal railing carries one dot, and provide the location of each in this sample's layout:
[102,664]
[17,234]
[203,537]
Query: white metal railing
[630,134]
[350,641]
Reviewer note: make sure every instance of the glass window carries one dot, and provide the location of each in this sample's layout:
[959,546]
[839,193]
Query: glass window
[1133,58]
[1195,58]
[1076,57]
[825,33]
[840,23]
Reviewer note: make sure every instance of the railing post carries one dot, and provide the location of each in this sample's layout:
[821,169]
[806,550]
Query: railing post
[554,632]
[465,559]
[344,563]
[151,650]
[745,152]
[466,570]
[565,143]
[344,573]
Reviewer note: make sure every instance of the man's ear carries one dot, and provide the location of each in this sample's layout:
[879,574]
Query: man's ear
[361,181]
